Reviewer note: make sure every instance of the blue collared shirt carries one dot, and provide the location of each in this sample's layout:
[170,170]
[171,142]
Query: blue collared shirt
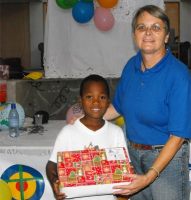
[155,103]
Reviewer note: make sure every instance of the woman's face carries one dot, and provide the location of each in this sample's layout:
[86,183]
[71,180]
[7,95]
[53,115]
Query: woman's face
[150,35]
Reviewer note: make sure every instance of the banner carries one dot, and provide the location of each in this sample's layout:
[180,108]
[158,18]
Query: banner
[24,171]
[74,50]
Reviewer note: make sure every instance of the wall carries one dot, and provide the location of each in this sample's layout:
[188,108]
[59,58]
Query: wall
[185,23]
[21,30]
[14,28]
[36,32]
[36,26]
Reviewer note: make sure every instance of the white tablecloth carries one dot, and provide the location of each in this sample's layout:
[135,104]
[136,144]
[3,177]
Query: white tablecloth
[31,150]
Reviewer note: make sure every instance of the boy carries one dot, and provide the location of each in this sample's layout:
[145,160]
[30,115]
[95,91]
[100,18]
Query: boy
[89,131]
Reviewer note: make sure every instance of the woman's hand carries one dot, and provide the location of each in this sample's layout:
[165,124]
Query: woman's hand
[138,182]
[56,189]
[141,181]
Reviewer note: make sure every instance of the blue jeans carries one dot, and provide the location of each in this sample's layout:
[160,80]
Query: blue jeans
[173,183]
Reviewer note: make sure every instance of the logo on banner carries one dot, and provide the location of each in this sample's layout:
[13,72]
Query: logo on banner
[25,182]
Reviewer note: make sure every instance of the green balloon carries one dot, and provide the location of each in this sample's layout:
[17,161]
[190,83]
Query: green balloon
[66,4]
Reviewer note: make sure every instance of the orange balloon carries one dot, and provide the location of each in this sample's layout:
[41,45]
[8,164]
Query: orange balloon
[107,3]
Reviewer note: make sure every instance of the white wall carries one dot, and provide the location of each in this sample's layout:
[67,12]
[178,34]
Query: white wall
[36,27]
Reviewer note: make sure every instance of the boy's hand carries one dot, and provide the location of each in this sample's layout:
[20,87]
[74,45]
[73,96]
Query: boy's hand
[58,195]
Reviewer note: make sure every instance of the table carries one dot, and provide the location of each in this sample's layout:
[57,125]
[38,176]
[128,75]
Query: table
[32,150]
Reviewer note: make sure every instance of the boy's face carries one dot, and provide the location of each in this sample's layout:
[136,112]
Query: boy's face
[95,100]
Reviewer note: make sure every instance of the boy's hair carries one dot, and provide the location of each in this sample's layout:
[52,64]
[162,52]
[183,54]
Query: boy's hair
[94,78]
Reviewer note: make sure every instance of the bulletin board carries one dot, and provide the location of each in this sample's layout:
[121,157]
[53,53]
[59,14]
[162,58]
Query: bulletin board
[75,50]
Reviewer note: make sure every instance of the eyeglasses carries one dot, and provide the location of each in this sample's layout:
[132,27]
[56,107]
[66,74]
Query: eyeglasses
[155,28]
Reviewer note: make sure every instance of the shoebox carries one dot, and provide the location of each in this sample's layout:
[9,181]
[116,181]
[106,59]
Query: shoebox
[92,172]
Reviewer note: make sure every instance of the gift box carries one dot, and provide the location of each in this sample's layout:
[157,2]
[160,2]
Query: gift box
[92,172]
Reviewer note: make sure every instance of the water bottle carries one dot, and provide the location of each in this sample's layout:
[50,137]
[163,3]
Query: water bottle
[13,119]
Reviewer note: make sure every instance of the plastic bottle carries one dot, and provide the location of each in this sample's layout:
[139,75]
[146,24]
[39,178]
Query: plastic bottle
[13,121]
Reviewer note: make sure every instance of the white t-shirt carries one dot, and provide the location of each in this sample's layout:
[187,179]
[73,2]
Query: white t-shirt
[77,137]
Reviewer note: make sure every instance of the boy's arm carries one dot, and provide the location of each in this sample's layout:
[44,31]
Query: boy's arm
[51,172]
[52,175]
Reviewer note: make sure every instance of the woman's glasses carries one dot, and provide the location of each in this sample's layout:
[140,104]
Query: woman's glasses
[155,28]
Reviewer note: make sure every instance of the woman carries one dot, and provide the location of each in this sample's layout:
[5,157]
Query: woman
[153,95]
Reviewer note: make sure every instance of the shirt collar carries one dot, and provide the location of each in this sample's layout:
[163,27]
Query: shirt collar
[156,67]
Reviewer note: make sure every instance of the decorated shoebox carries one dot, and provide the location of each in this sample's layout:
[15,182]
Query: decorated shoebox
[93,172]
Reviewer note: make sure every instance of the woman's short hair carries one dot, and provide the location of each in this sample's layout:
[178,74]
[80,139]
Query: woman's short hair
[154,11]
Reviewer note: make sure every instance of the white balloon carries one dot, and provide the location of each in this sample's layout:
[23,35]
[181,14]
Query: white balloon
[4,113]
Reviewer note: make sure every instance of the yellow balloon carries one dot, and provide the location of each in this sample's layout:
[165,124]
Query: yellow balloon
[34,75]
[5,191]
[120,121]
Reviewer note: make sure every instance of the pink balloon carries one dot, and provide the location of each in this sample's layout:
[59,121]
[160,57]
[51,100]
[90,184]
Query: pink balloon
[75,111]
[103,19]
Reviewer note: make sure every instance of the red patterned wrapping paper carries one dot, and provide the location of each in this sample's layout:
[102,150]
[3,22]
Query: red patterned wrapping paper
[91,167]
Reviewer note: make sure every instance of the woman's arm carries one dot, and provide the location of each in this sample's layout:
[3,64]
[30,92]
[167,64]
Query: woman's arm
[167,153]
[111,113]
[141,181]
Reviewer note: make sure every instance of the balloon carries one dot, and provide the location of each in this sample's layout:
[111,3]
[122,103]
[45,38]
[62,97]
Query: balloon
[66,4]
[5,191]
[75,111]
[107,3]
[4,113]
[82,12]
[103,19]
[120,121]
